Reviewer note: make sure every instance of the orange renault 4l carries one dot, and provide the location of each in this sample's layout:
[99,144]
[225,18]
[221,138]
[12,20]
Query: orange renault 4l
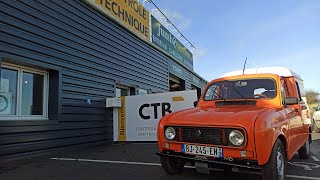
[243,123]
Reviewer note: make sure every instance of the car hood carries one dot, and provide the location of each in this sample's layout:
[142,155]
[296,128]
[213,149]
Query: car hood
[243,116]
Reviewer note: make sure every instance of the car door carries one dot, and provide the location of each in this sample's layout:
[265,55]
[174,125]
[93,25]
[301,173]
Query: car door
[294,118]
[303,113]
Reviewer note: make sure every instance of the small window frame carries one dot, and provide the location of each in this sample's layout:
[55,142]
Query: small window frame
[120,86]
[19,116]
[298,91]
[142,91]
[284,89]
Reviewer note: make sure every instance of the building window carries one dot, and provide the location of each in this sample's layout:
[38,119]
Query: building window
[122,91]
[142,91]
[24,93]
[176,84]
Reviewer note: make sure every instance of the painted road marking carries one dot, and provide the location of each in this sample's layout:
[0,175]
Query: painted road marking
[106,161]
[303,177]
[315,158]
[306,165]
[153,164]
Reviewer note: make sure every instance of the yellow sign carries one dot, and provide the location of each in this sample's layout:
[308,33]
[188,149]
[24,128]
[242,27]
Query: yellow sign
[177,98]
[130,12]
[122,121]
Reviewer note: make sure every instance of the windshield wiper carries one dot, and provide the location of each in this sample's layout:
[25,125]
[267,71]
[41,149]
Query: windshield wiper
[219,96]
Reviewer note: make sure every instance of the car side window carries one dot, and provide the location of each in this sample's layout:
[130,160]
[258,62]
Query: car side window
[284,90]
[283,95]
[298,90]
[210,92]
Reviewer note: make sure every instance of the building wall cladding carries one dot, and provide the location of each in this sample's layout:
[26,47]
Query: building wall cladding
[188,80]
[93,54]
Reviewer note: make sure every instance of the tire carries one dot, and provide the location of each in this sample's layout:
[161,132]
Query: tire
[172,165]
[276,167]
[315,128]
[304,151]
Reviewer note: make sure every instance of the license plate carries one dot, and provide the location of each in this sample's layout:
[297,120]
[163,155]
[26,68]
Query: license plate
[202,150]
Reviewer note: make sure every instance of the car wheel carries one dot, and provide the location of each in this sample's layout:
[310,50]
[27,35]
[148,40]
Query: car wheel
[275,169]
[172,165]
[315,127]
[304,151]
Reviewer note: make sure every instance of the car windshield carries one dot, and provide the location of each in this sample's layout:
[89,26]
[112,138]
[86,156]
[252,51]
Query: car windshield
[241,89]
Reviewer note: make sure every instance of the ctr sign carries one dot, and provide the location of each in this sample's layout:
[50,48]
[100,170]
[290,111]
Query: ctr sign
[165,108]
[138,118]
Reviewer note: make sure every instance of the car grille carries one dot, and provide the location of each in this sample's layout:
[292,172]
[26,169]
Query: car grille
[201,135]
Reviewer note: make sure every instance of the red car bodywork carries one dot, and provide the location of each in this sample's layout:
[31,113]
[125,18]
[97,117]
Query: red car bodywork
[262,123]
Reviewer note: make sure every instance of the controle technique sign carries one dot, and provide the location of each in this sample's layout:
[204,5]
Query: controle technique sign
[129,12]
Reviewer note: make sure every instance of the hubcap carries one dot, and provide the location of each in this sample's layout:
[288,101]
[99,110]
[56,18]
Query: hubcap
[280,164]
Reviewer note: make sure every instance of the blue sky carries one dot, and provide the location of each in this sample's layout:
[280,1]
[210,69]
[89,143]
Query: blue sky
[270,33]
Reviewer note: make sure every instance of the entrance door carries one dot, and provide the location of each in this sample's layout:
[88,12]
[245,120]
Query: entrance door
[176,84]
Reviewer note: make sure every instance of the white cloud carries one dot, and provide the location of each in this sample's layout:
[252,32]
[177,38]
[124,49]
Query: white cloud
[179,20]
[199,53]
[304,62]
[297,16]
[182,23]
[297,60]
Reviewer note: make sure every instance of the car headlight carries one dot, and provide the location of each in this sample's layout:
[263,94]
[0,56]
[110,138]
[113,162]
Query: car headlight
[236,137]
[170,133]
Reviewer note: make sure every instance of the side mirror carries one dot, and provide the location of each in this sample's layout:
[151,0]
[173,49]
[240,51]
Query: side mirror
[291,101]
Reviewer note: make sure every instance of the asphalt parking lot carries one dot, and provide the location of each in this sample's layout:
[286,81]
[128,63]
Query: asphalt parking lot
[131,160]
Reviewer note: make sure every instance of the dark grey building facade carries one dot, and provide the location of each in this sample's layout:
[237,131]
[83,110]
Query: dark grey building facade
[60,60]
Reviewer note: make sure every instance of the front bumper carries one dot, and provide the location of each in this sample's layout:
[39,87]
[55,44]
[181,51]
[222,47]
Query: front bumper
[235,165]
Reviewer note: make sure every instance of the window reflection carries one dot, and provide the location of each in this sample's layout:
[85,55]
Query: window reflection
[8,94]
[32,94]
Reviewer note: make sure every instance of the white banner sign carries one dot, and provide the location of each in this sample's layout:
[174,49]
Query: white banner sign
[137,119]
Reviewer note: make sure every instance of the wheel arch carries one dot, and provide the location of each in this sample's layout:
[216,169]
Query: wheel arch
[283,139]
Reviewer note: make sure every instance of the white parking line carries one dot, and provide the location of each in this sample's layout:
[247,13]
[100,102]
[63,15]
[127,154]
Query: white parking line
[106,161]
[315,158]
[120,162]
[303,177]
[153,164]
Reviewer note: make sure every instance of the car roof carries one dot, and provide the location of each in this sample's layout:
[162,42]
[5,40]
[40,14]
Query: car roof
[281,71]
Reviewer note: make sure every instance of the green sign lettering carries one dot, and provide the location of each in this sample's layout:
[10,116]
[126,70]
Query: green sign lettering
[166,41]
